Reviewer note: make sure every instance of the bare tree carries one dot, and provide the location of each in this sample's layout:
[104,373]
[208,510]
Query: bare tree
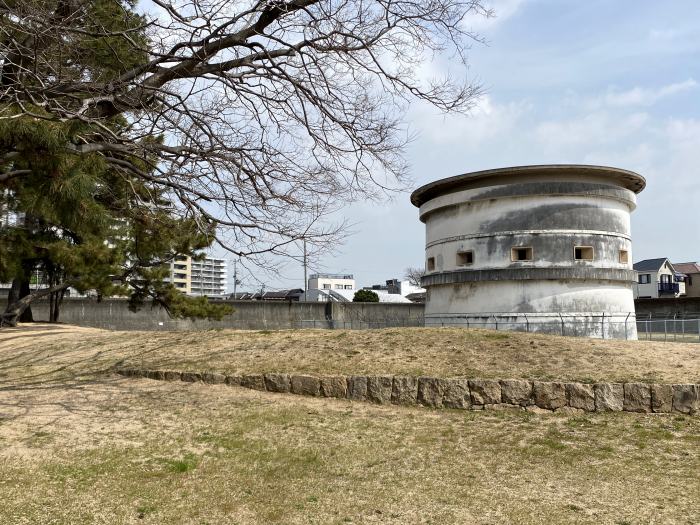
[267,115]
[414,275]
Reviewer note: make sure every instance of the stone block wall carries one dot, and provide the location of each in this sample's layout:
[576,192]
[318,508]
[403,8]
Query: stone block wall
[461,393]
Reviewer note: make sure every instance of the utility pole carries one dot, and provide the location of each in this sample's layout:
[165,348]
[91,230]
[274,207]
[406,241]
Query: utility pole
[235,278]
[306,280]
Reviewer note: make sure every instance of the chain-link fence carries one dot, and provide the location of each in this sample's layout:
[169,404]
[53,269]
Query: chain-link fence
[604,326]
[669,329]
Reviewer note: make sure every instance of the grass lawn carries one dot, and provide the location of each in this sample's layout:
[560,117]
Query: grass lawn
[81,445]
[441,352]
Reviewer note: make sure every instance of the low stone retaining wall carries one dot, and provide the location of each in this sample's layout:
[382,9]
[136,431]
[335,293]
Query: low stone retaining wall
[469,394]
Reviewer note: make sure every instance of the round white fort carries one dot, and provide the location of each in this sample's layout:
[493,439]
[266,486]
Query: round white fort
[537,248]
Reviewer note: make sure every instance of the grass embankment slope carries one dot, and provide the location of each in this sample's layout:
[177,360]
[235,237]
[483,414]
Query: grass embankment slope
[440,352]
[78,445]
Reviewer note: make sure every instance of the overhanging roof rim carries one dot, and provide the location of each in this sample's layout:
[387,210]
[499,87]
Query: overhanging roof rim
[626,178]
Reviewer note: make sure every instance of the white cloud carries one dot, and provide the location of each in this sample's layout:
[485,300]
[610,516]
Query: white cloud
[641,96]
[502,11]
[594,129]
[486,122]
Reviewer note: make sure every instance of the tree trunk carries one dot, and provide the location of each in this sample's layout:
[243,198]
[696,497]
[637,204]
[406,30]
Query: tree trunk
[20,289]
[14,311]
[26,316]
[55,304]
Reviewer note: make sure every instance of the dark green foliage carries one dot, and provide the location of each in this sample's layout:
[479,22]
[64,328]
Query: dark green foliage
[365,296]
[83,222]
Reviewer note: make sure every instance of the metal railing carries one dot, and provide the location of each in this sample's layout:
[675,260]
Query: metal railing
[675,329]
[669,287]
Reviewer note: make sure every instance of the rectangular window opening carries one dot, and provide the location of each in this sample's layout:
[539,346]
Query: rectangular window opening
[521,253]
[583,253]
[431,264]
[644,278]
[624,257]
[465,258]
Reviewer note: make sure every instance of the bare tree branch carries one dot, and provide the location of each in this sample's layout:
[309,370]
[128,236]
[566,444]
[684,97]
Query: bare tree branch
[261,115]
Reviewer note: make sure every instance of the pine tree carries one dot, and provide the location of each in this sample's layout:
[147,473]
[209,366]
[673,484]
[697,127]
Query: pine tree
[82,222]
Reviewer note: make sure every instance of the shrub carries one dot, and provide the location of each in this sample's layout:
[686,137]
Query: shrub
[365,296]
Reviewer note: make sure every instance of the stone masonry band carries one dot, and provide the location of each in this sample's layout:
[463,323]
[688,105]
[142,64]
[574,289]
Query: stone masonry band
[470,394]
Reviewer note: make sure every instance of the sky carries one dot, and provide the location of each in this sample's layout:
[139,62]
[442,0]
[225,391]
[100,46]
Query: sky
[607,82]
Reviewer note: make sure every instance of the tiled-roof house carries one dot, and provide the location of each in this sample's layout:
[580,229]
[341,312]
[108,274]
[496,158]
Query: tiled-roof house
[657,278]
[692,279]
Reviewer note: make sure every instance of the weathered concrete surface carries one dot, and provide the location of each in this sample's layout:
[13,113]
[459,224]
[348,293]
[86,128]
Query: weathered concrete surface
[581,396]
[404,390]
[114,314]
[686,398]
[609,397]
[278,383]
[516,392]
[549,210]
[379,389]
[662,398]
[357,388]
[456,394]
[485,391]
[549,395]
[637,397]
[334,386]
[668,308]
[305,385]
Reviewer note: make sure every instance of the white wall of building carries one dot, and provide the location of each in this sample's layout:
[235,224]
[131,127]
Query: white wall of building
[328,281]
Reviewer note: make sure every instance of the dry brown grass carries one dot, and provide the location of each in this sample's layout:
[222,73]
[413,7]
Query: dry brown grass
[81,445]
[119,451]
[410,351]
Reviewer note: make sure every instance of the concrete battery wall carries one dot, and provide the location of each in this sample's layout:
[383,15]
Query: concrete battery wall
[550,210]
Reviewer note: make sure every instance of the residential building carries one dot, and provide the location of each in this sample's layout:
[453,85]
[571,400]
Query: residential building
[278,295]
[396,286]
[692,277]
[331,281]
[346,296]
[657,278]
[208,277]
[180,274]
[199,278]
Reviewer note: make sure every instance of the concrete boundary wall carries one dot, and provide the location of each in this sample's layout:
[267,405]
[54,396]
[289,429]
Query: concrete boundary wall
[460,393]
[668,308]
[114,314]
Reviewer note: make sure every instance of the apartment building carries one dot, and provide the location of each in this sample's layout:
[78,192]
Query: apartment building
[199,278]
